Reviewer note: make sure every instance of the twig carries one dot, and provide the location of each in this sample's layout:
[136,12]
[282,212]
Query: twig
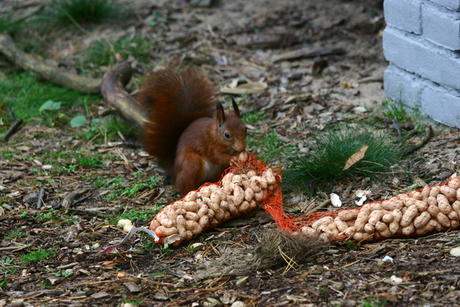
[12,130]
[423,142]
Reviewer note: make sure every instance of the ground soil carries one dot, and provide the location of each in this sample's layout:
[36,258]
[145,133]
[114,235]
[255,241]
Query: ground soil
[231,40]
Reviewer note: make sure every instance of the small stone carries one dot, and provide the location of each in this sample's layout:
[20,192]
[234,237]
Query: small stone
[99,295]
[455,251]
[132,287]
[395,280]
[338,285]
[238,304]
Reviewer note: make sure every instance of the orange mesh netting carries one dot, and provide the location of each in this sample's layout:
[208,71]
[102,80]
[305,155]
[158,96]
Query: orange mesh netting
[434,208]
[251,183]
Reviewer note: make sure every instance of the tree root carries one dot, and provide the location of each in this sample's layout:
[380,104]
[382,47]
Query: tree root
[45,70]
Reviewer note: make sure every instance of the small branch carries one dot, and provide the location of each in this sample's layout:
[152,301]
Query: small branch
[12,130]
[423,142]
[45,70]
[113,90]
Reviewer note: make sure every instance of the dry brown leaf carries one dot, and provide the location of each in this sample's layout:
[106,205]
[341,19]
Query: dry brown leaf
[247,88]
[356,157]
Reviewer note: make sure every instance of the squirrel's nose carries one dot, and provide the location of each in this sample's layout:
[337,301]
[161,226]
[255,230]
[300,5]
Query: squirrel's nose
[239,146]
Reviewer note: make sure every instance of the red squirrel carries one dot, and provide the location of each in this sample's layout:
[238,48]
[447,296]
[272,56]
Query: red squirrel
[190,134]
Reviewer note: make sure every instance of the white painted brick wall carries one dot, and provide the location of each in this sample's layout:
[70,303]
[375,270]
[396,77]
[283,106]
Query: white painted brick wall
[404,14]
[451,4]
[441,26]
[422,44]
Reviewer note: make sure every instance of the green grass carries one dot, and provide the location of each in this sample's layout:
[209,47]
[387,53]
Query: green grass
[398,112]
[15,234]
[122,188]
[372,302]
[138,215]
[327,159]
[74,13]
[254,117]
[108,129]
[38,255]
[25,96]
[269,146]
[8,25]
[103,53]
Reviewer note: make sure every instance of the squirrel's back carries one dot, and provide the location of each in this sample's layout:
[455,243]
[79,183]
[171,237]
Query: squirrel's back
[174,99]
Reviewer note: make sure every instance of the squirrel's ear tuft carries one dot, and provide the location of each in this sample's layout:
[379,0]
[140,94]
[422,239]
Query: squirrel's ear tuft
[235,107]
[220,114]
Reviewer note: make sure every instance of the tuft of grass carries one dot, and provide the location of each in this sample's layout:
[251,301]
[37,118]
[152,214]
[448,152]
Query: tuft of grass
[331,151]
[37,255]
[79,12]
[15,234]
[8,25]
[269,146]
[103,53]
[398,112]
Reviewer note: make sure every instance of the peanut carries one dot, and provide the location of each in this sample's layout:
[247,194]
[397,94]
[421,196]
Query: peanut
[323,220]
[433,210]
[341,225]
[456,206]
[443,219]
[192,216]
[348,215]
[369,228]
[454,183]
[388,218]
[191,196]
[434,191]
[382,228]
[309,232]
[408,230]
[180,220]
[154,224]
[450,193]
[408,216]
[362,218]
[248,194]
[375,216]
[421,220]
[163,231]
[426,192]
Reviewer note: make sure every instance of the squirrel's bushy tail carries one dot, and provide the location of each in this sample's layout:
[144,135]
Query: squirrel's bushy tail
[174,99]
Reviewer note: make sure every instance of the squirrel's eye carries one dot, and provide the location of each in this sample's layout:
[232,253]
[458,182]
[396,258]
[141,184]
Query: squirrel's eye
[227,134]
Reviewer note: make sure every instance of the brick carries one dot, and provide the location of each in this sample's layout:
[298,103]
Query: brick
[442,105]
[404,87]
[411,53]
[451,4]
[441,26]
[404,14]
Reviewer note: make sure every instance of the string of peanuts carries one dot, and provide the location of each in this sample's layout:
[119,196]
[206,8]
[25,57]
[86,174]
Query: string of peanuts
[430,209]
[213,204]
[435,208]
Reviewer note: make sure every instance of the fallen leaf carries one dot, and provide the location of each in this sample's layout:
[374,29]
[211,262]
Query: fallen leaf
[246,88]
[356,157]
